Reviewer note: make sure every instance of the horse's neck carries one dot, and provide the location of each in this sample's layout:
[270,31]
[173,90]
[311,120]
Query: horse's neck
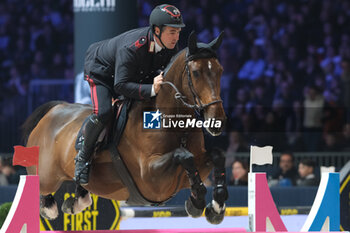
[165,100]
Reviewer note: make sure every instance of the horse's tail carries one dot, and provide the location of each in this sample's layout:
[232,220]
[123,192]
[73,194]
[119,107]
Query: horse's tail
[35,117]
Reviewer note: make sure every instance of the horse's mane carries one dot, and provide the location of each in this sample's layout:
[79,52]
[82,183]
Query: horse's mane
[172,61]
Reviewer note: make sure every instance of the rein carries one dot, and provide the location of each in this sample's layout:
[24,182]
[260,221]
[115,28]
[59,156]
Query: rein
[178,95]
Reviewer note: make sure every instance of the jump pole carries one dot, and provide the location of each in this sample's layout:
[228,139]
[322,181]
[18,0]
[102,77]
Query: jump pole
[24,213]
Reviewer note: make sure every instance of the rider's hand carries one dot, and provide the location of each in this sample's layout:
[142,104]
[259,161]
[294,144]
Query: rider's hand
[157,82]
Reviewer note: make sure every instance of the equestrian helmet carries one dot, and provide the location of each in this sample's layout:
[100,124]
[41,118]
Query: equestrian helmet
[166,15]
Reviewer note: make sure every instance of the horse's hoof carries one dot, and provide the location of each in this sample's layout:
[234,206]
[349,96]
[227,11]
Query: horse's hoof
[68,205]
[48,207]
[191,210]
[212,216]
[49,214]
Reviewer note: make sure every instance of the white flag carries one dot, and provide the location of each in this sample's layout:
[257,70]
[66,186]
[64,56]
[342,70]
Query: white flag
[324,169]
[260,155]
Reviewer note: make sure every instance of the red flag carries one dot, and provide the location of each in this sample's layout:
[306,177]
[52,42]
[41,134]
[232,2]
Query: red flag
[26,156]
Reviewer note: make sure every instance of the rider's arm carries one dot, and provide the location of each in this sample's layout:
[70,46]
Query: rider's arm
[126,81]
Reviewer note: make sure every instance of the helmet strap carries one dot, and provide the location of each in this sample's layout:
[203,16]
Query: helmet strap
[160,35]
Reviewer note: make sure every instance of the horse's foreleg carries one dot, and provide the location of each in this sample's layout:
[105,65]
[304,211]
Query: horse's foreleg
[196,203]
[74,205]
[215,210]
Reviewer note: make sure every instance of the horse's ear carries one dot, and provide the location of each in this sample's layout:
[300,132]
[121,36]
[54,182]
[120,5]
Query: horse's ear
[192,43]
[215,44]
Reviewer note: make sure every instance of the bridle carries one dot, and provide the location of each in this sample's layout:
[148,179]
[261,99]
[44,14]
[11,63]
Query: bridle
[197,107]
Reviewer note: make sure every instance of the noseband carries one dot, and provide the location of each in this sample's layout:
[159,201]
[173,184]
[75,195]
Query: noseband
[197,107]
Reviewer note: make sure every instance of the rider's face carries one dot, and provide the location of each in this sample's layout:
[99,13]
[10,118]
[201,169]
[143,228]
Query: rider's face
[170,36]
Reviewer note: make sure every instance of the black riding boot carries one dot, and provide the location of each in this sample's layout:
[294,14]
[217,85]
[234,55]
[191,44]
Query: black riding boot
[91,131]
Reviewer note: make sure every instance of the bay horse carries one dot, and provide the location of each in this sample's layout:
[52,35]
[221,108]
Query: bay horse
[161,162]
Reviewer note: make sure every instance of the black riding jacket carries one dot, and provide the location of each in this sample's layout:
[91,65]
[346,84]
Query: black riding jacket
[127,63]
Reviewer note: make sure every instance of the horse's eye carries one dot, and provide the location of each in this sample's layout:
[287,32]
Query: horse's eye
[195,73]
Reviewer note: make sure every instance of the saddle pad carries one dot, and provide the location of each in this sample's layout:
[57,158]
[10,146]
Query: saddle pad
[121,120]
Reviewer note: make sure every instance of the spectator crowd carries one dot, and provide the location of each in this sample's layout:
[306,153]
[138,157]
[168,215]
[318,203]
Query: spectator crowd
[36,42]
[286,174]
[286,79]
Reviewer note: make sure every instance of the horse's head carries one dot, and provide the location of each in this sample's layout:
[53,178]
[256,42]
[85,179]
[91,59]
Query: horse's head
[203,73]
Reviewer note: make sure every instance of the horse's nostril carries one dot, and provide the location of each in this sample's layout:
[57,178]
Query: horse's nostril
[216,130]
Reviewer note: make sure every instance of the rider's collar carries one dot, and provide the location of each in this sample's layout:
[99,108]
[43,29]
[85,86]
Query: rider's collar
[157,47]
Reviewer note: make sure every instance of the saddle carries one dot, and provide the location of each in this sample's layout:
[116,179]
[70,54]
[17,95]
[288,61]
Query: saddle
[113,131]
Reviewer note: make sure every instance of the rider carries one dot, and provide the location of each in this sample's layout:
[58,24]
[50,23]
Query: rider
[126,65]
